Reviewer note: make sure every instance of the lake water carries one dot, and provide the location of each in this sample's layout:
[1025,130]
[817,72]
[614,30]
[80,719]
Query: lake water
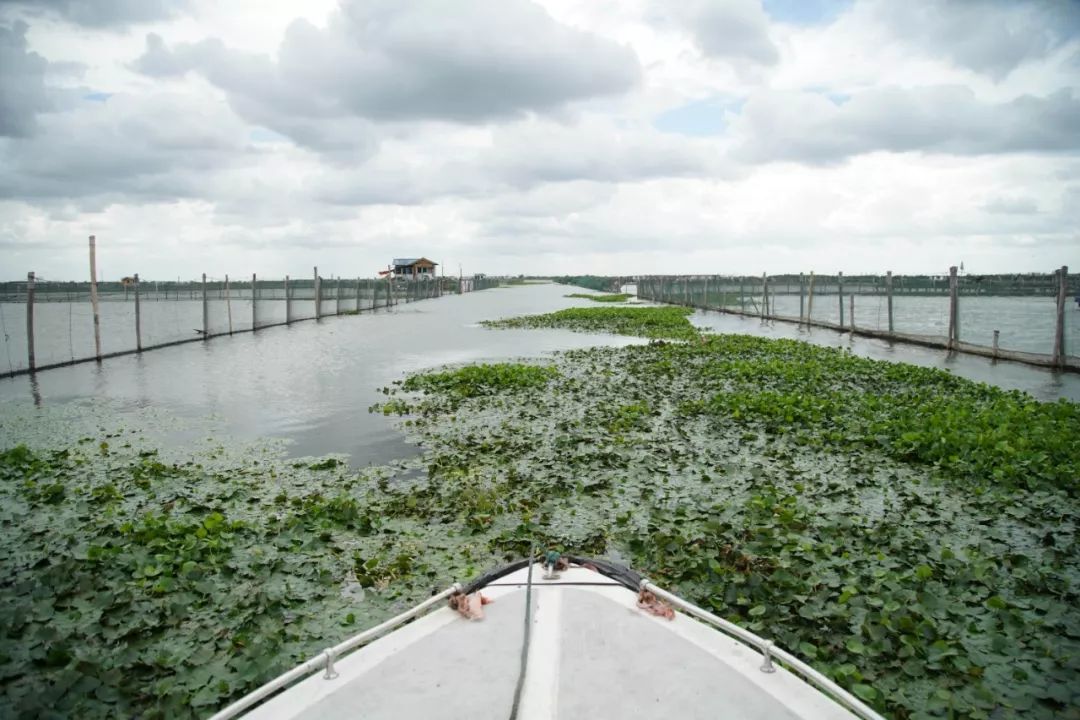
[312,383]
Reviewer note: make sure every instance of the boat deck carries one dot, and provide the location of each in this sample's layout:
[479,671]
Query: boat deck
[593,654]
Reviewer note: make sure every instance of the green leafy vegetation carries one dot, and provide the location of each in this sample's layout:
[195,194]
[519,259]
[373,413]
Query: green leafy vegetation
[137,588]
[651,322]
[614,298]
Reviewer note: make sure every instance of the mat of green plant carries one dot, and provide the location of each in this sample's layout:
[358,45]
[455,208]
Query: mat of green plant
[650,322]
[615,298]
[909,533]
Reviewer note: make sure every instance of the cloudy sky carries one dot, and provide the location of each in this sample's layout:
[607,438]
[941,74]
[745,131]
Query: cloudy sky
[555,136]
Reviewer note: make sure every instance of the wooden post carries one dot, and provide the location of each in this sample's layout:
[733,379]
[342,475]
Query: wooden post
[288,302]
[1059,329]
[997,334]
[840,296]
[952,308]
[888,293]
[228,302]
[742,296]
[357,295]
[205,310]
[810,301]
[94,298]
[30,319]
[138,317]
[802,297]
[254,303]
[337,297]
[764,294]
[318,295]
[851,298]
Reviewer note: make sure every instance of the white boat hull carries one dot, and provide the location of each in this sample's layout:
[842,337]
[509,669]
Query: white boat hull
[593,653]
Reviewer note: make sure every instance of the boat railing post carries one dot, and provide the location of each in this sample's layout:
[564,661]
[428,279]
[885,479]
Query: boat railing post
[330,673]
[766,652]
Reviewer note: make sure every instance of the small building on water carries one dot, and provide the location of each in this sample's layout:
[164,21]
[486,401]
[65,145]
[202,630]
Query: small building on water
[414,268]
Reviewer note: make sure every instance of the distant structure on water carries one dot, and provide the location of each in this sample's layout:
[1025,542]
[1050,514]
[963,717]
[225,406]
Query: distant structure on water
[414,268]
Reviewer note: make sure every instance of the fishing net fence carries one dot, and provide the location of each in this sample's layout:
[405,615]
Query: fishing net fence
[1032,318]
[48,324]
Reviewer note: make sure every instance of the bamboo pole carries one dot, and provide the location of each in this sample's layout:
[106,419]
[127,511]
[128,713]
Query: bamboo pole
[840,296]
[94,298]
[1059,328]
[228,302]
[764,294]
[802,298]
[888,293]
[30,320]
[205,310]
[138,316]
[953,288]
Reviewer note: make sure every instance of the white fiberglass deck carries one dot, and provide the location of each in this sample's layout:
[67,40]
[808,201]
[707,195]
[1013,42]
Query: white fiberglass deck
[593,654]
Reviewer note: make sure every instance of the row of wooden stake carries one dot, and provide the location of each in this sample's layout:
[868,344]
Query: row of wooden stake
[205,332]
[806,307]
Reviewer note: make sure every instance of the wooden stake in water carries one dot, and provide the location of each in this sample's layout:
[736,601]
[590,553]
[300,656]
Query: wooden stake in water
[205,310]
[288,302]
[254,322]
[94,298]
[851,298]
[888,296]
[228,302]
[840,296]
[357,295]
[764,294]
[953,316]
[30,320]
[138,316]
[997,334]
[318,295]
[810,300]
[802,297]
[1059,328]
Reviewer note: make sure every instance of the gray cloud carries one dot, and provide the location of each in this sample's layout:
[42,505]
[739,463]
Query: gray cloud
[22,83]
[384,60]
[987,36]
[520,157]
[1011,205]
[127,149]
[99,13]
[949,119]
[731,29]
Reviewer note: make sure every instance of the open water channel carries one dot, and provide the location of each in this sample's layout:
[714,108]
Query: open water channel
[311,384]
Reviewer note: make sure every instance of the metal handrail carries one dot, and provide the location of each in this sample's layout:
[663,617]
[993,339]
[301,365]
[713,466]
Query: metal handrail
[768,649]
[325,659]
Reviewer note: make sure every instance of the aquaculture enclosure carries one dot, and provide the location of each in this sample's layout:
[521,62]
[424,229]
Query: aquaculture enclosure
[48,324]
[1032,318]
